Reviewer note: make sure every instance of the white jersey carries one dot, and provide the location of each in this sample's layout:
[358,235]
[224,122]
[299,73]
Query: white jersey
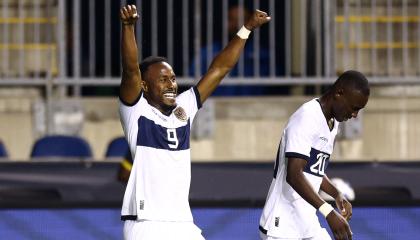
[307,135]
[159,182]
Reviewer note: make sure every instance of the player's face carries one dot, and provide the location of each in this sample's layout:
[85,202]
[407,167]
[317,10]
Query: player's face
[162,86]
[348,103]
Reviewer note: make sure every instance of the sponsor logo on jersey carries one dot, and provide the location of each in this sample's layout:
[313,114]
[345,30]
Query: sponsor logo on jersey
[180,114]
[276,221]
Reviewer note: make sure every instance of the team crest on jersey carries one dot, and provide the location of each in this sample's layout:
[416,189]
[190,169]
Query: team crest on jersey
[180,114]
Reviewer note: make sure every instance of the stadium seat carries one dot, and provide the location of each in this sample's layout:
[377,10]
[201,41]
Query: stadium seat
[3,152]
[61,146]
[118,147]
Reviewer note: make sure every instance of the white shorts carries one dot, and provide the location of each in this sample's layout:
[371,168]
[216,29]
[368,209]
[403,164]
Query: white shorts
[157,230]
[322,235]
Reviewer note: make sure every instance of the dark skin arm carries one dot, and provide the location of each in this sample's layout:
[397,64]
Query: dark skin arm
[297,180]
[228,57]
[341,202]
[131,82]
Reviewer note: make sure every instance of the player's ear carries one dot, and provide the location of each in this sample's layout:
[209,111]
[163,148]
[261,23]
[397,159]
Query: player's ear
[144,86]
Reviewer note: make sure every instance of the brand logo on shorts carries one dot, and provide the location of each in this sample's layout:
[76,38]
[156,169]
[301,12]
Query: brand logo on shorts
[180,114]
[276,221]
[141,204]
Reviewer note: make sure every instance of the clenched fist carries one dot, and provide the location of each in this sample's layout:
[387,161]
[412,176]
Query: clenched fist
[128,15]
[257,19]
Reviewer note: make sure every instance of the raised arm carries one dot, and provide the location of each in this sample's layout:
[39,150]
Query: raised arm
[297,180]
[228,57]
[131,78]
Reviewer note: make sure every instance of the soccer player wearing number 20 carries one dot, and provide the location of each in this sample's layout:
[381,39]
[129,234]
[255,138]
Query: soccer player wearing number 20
[302,159]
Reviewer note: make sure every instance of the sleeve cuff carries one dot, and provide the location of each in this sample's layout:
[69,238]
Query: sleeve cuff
[133,103]
[296,155]
[197,97]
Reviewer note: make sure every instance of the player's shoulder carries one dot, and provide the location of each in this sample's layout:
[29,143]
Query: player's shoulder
[131,114]
[305,118]
[140,102]
[188,97]
[185,94]
[308,111]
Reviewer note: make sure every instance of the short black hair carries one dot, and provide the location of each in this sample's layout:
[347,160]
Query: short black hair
[354,80]
[147,62]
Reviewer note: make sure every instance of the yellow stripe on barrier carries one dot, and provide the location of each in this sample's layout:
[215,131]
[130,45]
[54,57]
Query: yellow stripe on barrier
[379,19]
[378,45]
[29,46]
[28,20]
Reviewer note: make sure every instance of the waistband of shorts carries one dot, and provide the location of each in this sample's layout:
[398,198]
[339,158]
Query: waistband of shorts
[128,217]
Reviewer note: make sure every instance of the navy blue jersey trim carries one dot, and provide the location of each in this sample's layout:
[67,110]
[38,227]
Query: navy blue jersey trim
[318,163]
[128,217]
[296,155]
[262,230]
[276,165]
[156,136]
[130,104]
[197,97]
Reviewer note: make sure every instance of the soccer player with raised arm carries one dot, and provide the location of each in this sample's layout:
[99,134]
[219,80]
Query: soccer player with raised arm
[302,159]
[156,122]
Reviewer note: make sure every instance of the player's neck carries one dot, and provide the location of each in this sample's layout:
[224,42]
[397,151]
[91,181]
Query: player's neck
[326,106]
[165,110]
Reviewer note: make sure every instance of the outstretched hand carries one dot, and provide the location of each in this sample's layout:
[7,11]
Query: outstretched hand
[128,15]
[257,19]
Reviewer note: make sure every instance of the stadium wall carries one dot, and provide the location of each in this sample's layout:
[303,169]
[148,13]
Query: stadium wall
[245,129]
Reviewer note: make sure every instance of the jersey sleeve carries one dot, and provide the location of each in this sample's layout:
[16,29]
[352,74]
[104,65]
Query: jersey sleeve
[300,135]
[190,101]
[129,115]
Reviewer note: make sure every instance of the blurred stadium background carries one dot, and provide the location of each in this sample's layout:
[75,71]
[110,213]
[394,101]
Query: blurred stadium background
[59,76]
